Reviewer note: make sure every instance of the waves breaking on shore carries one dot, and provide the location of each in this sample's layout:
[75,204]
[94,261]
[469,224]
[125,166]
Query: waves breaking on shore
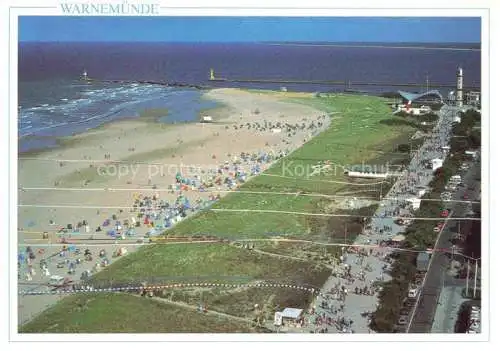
[74,107]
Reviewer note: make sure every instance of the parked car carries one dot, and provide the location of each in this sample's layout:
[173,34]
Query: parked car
[413,293]
[475,326]
[409,304]
[403,320]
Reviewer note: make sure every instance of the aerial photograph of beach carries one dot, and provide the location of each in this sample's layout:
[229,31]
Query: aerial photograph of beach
[249,175]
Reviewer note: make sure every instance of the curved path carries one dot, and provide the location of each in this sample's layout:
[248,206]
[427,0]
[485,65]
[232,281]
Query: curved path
[137,288]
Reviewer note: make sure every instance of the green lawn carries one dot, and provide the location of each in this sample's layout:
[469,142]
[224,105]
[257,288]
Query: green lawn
[241,302]
[205,262]
[182,263]
[122,313]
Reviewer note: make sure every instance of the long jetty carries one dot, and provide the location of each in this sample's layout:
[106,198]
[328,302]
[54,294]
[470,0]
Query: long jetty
[149,82]
[347,84]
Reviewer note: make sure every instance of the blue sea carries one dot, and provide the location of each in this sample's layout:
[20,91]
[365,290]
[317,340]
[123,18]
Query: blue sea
[54,102]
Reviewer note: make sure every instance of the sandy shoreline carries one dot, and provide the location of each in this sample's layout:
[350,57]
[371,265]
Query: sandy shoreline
[140,155]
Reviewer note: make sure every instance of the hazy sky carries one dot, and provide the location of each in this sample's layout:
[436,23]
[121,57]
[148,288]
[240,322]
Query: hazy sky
[250,29]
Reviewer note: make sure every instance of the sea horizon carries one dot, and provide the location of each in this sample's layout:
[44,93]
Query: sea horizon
[374,43]
[55,102]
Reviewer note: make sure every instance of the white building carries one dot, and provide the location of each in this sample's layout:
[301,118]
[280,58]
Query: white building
[420,192]
[436,163]
[414,203]
[473,97]
[460,85]
[288,317]
[355,174]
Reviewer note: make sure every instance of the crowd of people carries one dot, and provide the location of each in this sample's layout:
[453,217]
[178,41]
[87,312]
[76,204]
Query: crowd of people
[354,283]
[149,215]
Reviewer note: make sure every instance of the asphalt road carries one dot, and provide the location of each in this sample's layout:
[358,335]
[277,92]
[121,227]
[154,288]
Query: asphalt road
[436,276]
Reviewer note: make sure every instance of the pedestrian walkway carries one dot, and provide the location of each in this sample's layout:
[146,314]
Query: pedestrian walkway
[351,292]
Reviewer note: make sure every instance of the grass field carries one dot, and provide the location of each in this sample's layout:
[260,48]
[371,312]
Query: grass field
[121,313]
[241,302]
[182,263]
[205,263]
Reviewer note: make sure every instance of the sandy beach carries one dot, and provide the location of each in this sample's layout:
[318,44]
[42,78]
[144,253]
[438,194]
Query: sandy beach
[97,175]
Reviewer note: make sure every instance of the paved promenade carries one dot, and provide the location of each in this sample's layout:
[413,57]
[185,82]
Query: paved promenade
[343,310]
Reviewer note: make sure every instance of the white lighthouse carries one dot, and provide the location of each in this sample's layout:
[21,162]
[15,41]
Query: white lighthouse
[84,75]
[460,86]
